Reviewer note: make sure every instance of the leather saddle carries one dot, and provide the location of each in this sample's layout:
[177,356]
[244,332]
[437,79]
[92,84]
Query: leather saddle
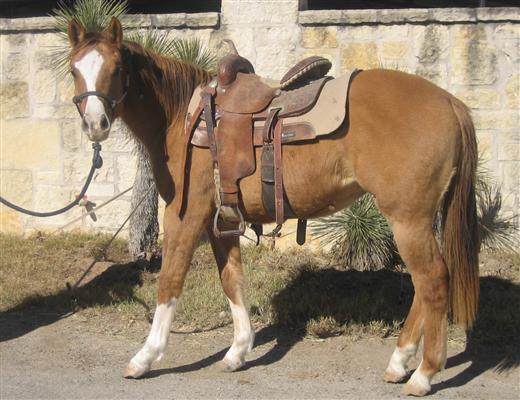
[239,110]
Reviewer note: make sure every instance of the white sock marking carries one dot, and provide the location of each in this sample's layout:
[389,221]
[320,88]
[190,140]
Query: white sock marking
[243,335]
[157,340]
[89,67]
[400,358]
[419,379]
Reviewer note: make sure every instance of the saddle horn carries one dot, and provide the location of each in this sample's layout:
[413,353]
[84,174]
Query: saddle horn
[232,47]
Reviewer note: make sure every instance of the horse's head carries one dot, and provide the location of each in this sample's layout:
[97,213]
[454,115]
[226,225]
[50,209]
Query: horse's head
[100,78]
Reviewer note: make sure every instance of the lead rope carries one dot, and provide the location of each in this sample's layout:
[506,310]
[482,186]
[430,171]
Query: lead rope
[97,162]
[100,255]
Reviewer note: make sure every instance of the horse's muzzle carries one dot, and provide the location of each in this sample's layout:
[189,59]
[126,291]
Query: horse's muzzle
[96,127]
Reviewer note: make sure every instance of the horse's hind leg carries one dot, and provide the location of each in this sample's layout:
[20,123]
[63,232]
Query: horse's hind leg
[227,255]
[180,239]
[419,249]
[406,344]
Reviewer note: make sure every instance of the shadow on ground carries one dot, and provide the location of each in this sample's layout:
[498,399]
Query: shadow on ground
[366,298]
[114,285]
[369,297]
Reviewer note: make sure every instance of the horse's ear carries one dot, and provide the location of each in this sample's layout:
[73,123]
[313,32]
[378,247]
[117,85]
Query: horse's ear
[114,32]
[76,32]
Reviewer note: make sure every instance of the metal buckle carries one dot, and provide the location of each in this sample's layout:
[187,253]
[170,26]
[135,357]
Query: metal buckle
[233,232]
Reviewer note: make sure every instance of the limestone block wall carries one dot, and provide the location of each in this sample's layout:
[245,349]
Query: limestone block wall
[473,53]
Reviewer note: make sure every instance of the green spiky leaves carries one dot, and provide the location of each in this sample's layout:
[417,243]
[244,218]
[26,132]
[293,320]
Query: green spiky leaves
[497,232]
[194,52]
[360,236]
[94,15]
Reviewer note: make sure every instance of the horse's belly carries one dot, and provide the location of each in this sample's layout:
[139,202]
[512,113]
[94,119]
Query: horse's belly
[312,195]
[318,180]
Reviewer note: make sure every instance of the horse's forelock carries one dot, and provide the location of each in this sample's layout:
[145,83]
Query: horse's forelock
[91,40]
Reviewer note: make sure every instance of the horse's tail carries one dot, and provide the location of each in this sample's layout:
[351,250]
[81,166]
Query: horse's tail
[460,225]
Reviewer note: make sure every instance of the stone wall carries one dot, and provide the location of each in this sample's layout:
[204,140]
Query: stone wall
[473,53]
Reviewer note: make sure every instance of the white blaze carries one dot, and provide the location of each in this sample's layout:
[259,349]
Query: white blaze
[89,67]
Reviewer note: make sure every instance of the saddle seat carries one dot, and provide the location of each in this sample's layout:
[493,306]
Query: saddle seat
[308,69]
[240,110]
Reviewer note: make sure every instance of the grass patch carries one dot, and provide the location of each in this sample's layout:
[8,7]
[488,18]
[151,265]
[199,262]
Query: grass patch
[38,267]
[296,290]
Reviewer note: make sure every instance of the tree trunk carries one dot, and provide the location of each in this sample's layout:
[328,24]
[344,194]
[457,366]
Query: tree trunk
[144,224]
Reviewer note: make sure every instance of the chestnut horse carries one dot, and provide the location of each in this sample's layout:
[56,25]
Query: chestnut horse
[406,141]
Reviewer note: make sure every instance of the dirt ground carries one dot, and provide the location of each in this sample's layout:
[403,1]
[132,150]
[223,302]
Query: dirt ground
[50,358]
[49,352]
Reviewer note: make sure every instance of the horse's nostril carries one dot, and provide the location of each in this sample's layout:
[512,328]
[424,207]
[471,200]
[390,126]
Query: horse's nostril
[105,123]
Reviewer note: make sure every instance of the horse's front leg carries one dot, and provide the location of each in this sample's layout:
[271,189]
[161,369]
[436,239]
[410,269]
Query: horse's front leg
[227,255]
[180,239]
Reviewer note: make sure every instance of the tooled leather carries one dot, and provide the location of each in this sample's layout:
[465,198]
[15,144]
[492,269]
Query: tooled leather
[313,67]
[290,133]
[246,95]
[296,101]
[229,66]
[236,160]
[278,174]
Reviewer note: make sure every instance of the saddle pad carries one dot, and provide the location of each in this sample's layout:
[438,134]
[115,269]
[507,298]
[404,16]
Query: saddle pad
[330,110]
[332,103]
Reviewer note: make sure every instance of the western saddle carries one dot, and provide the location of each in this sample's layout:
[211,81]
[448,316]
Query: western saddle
[238,110]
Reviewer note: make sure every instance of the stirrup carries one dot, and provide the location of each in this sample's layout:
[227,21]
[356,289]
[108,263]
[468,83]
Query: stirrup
[233,232]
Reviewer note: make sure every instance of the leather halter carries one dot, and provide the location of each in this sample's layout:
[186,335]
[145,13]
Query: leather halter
[109,100]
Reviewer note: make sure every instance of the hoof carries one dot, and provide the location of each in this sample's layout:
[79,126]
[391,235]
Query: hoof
[230,366]
[392,376]
[413,389]
[132,371]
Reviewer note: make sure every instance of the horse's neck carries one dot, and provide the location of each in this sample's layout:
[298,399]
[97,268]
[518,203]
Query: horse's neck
[158,97]
[155,107]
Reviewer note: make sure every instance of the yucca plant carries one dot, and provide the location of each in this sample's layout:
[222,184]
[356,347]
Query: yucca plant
[193,51]
[94,15]
[497,232]
[360,236]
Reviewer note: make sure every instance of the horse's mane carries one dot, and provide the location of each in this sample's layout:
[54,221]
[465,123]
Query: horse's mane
[172,80]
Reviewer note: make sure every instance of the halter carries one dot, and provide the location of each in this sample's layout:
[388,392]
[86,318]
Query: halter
[110,101]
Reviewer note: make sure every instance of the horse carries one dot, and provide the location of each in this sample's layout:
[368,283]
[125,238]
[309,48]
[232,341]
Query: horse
[406,141]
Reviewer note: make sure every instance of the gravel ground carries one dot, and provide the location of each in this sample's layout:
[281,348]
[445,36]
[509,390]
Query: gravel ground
[49,358]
